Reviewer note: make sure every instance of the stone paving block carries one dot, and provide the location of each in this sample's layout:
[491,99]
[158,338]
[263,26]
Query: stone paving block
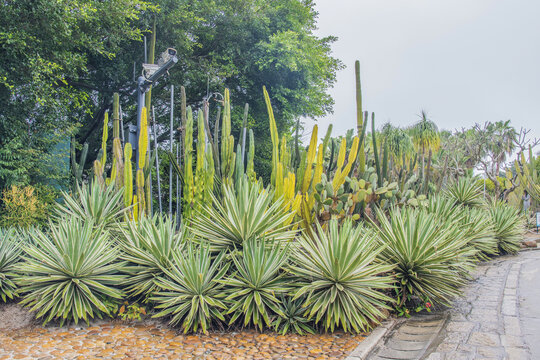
[457,337]
[460,326]
[406,345]
[412,337]
[512,341]
[446,346]
[490,352]
[399,354]
[517,354]
[486,313]
[460,355]
[512,326]
[491,327]
[423,323]
[509,306]
[484,339]
[435,356]
[415,330]
[466,348]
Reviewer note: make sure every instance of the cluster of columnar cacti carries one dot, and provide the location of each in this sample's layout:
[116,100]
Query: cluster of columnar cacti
[121,169]
[333,178]
[198,187]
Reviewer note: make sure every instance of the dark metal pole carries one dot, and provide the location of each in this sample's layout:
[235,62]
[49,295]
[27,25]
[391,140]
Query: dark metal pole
[141,90]
[157,160]
[171,149]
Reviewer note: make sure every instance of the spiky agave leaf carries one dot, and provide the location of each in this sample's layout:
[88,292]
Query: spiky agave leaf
[509,226]
[249,213]
[257,282]
[67,273]
[148,246]
[465,191]
[99,203]
[474,223]
[431,257]
[292,317]
[479,230]
[190,292]
[341,278]
[10,255]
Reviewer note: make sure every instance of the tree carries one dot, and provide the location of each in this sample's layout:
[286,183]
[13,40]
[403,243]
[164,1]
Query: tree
[238,44]
[46,47]
[425,138]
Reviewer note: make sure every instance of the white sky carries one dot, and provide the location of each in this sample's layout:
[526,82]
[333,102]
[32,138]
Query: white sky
[463,61]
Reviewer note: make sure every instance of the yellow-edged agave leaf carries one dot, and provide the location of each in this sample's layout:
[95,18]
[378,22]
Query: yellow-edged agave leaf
[431,256]
[508,225]
[465,191]
[249,212]
[69,272]
[148,246]
[254,288]
[10,255]
[341,280]
[190,292]
[101,204]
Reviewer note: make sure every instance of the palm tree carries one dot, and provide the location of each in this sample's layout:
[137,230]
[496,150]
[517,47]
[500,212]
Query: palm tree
[426,138]
[400,144]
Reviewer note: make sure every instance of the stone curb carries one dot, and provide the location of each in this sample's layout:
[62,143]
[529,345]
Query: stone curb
[529,249]
[368,344]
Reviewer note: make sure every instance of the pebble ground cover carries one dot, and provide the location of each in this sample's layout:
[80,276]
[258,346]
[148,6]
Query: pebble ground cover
[154,340]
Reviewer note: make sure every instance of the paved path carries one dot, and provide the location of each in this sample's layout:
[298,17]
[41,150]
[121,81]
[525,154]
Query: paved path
[488,322]
[498,317]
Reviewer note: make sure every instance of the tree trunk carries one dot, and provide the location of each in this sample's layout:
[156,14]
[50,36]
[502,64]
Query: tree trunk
[421,175]
[426,183]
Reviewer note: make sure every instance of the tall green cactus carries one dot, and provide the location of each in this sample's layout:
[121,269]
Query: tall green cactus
[273,135]
[78,168]
[188,165]
[227,142]
[116,116]
[359,120]
[104,138]
[375,150]
[128,176]
[250,170]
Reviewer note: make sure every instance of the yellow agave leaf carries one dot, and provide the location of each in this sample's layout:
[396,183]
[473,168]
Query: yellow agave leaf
[341,155]
[143,139]
[319,166]
[104,138]
[310,159]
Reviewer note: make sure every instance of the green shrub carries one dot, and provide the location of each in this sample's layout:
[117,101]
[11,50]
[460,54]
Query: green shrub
[191,292]
[509,226]
[70,273]
[429,255]
[148,245]
[341,278]
[256,283]
[465,191]
[21,208]
[10,253]
[249,213]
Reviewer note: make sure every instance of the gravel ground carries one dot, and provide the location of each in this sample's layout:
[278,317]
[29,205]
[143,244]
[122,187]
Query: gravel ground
[22,338]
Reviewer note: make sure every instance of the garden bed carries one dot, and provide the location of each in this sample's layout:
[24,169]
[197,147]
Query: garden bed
[21,337]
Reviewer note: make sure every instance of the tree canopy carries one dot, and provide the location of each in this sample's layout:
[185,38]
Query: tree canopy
[63,61]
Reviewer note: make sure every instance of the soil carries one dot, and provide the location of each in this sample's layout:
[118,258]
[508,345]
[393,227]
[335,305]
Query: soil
[13,316]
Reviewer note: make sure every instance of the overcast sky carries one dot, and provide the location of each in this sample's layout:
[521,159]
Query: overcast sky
[463,61]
